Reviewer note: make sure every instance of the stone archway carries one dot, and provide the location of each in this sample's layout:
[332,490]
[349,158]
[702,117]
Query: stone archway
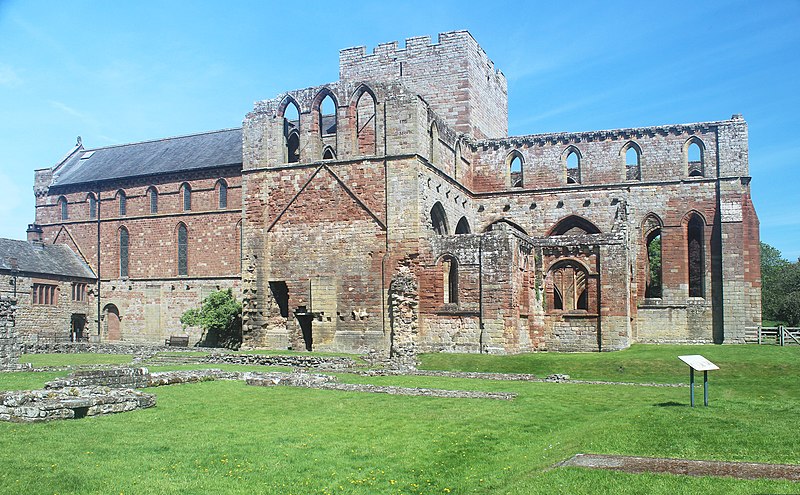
[113,330]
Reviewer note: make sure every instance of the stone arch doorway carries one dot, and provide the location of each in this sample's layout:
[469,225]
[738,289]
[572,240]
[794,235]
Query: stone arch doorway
[112,318]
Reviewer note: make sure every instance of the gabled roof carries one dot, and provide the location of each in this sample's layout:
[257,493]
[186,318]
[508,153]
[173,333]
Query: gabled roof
[176,154]
[49,259]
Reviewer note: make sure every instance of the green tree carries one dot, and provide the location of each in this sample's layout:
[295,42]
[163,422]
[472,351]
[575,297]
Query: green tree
[220,317]
[780,287]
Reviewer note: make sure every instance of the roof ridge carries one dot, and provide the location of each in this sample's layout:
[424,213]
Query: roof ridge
[162,139]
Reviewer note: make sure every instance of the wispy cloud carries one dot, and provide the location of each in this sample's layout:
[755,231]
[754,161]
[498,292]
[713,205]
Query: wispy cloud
[9,77]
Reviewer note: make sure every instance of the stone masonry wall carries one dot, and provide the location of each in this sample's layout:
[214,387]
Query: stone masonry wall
[9,344]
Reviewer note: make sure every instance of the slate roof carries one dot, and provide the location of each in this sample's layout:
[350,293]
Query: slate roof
[49,259]
[176,154]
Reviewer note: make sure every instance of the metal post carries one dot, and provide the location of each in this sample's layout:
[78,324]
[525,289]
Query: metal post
[691,386]
[705,388]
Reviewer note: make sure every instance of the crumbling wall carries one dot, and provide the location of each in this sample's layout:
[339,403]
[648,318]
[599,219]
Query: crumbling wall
[9,344]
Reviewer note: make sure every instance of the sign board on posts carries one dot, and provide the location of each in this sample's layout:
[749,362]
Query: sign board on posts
[698,362]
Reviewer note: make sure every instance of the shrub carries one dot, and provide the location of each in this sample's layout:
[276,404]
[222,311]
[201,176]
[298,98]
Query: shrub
[220,317]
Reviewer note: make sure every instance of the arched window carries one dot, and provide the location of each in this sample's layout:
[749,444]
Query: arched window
[573,164]
[633,167]
[463,226]
[457,160]
[222,194]
[694,157]
[434,145]
[574,225]
[92,205]
[186,192]
[123,203]
[183,250]
[328,154]
[124,253]
[696,250]
[514,164]
[570,288]
[366,124]
[327,116]
[291,130]
[450,279]
[439,219]
[152,195]
[62,204]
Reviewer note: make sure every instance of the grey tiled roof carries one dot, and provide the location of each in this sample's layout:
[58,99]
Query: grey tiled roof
[49,259]
[176,154]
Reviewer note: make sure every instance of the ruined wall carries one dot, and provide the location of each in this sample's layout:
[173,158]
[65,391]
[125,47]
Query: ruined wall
[9,343]
[454,76]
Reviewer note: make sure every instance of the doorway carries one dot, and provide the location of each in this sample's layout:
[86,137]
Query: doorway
[78,328]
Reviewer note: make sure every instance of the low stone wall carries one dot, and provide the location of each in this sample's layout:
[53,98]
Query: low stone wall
[31,406]
[114,378]
[293,361]
[104,348]
[191,376]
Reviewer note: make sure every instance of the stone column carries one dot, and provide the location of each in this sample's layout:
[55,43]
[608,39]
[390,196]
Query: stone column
[9,344]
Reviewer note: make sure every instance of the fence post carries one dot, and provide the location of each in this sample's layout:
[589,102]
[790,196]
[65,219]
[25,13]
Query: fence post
[780,334]
[758,333]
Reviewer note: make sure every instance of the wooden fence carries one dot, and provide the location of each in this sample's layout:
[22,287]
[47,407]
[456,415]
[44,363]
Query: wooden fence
[779,335]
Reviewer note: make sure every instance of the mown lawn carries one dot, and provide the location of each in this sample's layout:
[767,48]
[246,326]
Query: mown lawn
[227,437]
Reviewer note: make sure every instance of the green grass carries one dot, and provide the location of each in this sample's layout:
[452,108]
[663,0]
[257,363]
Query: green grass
[227,437]
[41,360]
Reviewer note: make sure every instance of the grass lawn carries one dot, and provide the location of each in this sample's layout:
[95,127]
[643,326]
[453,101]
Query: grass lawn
[227,437]
[41,360]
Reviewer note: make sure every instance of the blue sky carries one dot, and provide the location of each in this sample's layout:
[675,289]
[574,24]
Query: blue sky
[123,71]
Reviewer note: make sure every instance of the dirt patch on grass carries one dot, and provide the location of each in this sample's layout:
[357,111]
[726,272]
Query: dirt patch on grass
[629,464]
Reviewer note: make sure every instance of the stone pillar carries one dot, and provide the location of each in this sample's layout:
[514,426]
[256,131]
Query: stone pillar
[404,314]
[9,344]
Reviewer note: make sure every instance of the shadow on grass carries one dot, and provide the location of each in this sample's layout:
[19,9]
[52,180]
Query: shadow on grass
[670,404]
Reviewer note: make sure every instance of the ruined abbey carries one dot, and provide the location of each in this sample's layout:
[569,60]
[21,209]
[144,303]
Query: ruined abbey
[390,210]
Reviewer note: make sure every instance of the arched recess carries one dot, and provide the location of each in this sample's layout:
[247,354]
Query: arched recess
[182,234]
[573,225]
[572,162]
[186,196]
[91,199]
[449,279]
[328,153]
[568,286]
[222,194]
[514,167]
[631,154]
[152,196]
[324,108]
[289,112]
[122,201]
[63,208]
[457,159]
[463,226]
[696,253]
[365,121]
[504,221]
[694,151]
[112,322]
[434,144]
[439,219]
[652,265]
[124,252]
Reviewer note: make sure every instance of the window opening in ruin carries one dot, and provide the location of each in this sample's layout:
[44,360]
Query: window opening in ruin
[92,206]
[291,132]
[153,196]
[514,162]
[695,244]
[450,280]
[186,190]
[570,288]
[327,116]
[222,194]
[183,250]
[280,292]
[123,203]
[439,219]
[328,154]
[574,225]
[573,168]
[653,283]
[695,158]
[366,124]
[62,201]
[633,169]
[112,322]
[305,319]
[463,226]
[124,246]
[434,144]
[45,294]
